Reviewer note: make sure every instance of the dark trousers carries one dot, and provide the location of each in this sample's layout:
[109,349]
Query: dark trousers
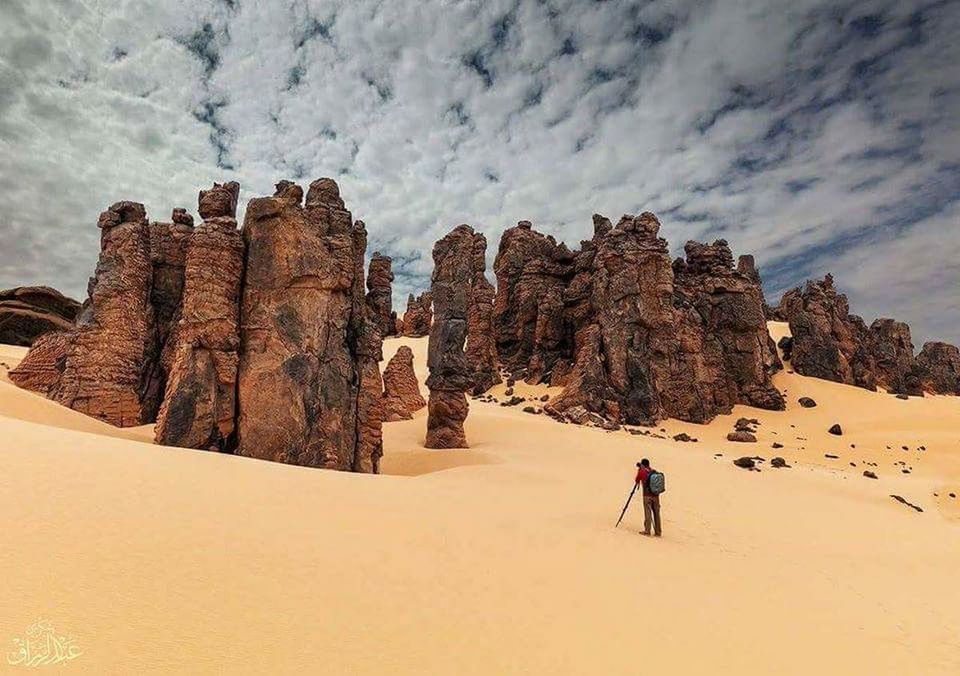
[651,512]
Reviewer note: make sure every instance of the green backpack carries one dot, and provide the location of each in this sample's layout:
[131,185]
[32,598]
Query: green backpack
[656,482]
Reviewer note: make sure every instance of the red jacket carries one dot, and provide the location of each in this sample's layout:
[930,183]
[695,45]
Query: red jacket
[643,474]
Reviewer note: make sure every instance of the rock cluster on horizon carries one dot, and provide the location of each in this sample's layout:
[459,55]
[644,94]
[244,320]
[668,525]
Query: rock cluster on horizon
[266,341]
[259,341]
[630,334]
[830,343]
[28,312]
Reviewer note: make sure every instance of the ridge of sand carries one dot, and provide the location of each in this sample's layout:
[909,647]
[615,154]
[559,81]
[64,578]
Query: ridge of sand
[501,558]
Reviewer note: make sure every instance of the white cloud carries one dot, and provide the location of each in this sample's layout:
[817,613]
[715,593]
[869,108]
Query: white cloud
[817,135]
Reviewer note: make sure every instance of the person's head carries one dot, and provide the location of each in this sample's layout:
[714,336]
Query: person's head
[644,463]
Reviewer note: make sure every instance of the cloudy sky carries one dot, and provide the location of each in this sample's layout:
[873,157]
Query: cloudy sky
[818,135]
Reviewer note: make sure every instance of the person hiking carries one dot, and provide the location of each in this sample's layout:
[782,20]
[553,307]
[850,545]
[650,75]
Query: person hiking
[651,496]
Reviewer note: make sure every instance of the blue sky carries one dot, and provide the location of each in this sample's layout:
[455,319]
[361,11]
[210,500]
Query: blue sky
[819,136]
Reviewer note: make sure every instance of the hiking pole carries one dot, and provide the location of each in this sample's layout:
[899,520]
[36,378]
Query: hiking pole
[629,498]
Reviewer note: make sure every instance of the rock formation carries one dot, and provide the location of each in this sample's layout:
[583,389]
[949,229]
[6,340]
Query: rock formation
[28,312]
[168,258]
[221,200]
[450,374]
[309,390]
[724,307]
[419,315]
[630,335]
[108,363]
[380,294]
[939,368]
[481,350]
[830,343]
[401,392]
[889,350]
[199,403]
[532,272]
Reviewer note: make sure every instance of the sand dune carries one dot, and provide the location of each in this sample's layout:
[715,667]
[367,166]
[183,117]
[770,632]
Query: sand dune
[498,559]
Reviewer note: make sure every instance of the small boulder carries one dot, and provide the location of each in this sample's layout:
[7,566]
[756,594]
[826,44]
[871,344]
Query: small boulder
[745,463]
[778,462]
[807,402]
[741,436]
[869,474]
[835,429]
[776,444]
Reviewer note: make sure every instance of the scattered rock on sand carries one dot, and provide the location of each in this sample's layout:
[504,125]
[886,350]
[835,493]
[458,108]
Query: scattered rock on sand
[776,444]
[741,436]
[869,474]
[746,424]
[778,462]
[745,463]
[903,501]
[683,436]
[831,456]
[836,429]
[806,402]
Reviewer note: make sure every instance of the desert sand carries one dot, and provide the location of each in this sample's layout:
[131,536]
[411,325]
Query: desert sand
[499,559]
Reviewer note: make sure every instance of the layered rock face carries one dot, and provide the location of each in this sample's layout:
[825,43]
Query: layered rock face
[630,335]
[108,364]
[450,373]
[380,294]
[28,312]
[532,273]
[419,315]
[308,362]
[939,368]
[401,392]
[199,403]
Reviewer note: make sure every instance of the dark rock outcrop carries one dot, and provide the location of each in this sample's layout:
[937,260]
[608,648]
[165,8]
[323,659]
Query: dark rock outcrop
[199,403]
[830,343]
[106,366]
[419,315]
[939,368]
[380,293]
[889,350]
[450,374]
[309,390]
[28,312]
[401,393]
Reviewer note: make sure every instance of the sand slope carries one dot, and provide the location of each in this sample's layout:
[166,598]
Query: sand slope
[498,559]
